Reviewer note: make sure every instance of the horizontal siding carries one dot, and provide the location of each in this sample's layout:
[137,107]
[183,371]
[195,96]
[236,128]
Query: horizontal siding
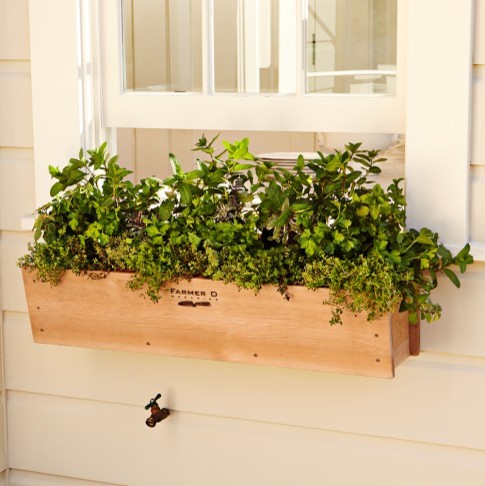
[433,399]
[190,449]
[16,163]
[28,478]
[12,246]
[17,196]
[14,29]
[16,103]
[112,443]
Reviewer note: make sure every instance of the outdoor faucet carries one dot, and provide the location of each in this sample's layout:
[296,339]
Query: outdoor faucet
[158,414]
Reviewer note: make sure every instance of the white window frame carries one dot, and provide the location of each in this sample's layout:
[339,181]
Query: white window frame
[67,114]
[300,112]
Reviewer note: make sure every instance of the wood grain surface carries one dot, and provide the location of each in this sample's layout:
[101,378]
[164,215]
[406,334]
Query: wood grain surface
[205,319]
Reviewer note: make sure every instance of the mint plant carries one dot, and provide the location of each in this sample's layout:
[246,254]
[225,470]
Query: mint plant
[250,222]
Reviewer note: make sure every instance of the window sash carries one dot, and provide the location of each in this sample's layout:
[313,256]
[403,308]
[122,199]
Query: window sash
[365,113]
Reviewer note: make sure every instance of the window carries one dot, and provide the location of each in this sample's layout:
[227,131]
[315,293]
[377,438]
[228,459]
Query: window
[245,65]
[351,46]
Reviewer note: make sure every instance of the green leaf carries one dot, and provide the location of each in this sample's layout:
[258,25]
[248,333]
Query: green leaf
[122,173]
[152,231]
[241,167]
[54,171]
[185,193]
[56,189]
[165,209]
[298,207]
[176,165]
[463,252]
[194,239]
[73,223]
[424,263]
[338,237]
[194,174]
[445,254]
[107,203]
[374,212]
[309,246]
[353,176]
[424,240]
[334,165]
[283,218]
[300,162]
[394,256]
[238,150]
[452,276]
[103,239]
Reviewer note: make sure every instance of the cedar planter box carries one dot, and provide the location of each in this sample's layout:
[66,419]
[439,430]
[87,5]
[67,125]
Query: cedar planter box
[205,319]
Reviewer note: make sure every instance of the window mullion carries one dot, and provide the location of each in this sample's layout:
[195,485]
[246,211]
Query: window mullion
[207,47]
[300,47]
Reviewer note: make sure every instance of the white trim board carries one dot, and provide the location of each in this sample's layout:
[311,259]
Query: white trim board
[438,116]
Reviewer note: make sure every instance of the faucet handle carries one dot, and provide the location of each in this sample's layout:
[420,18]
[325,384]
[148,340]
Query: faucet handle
[153,401]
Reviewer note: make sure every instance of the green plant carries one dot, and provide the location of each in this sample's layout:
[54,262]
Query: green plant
[250,222]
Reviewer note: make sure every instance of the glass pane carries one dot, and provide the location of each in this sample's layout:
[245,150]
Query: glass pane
[351,46]
[162,45]
[250,40]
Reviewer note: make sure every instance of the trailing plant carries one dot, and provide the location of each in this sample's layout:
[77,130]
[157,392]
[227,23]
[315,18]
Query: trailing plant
[250,222]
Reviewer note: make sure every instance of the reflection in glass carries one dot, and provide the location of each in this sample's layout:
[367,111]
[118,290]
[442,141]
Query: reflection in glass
[162,45]
[351,46]
[250,46]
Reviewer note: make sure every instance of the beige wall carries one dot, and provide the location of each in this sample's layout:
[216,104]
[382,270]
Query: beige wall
[78,413]
[16,167]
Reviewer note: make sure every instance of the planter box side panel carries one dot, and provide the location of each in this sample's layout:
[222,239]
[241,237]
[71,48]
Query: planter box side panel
[205,319]
[400,337]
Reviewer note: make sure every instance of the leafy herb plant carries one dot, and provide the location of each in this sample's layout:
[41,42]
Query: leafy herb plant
[240,220]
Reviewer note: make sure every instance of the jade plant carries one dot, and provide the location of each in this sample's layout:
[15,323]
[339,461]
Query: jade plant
[237,219]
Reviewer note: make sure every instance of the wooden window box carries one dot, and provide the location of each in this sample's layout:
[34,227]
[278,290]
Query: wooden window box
[206,319]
